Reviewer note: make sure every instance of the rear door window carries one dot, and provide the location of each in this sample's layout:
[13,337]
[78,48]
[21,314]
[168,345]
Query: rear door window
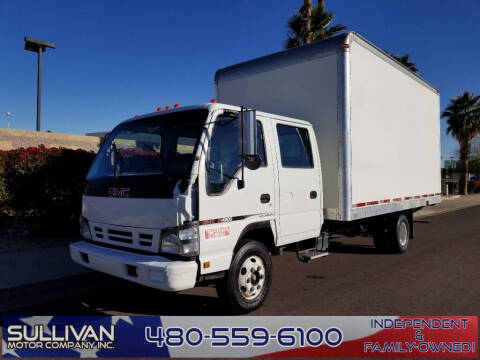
[295,148]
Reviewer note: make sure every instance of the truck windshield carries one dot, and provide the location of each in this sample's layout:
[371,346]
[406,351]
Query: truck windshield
[147,156]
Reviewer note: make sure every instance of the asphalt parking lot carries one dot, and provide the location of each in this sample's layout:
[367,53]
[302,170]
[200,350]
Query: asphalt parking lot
[438,275]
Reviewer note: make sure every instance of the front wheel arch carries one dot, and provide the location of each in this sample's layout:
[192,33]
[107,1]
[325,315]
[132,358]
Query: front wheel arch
[259,231]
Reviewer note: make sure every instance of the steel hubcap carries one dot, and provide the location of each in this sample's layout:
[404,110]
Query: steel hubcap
[251,277]
[403,234]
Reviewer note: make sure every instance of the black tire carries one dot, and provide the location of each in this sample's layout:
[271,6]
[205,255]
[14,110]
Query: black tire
[393,235]
[399,234]
[380,241]
[229,288]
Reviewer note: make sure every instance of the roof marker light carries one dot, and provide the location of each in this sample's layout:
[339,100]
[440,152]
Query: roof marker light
[176,106]
[167,107]
[213,101]
[159,109]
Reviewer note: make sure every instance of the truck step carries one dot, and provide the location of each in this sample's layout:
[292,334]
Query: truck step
[310,253]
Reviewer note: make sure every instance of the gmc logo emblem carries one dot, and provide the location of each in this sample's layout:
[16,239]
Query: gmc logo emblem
[119,192]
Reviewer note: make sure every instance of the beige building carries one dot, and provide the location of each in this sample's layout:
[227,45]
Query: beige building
[12,139]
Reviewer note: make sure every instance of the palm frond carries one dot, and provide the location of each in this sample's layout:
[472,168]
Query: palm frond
[320,26]
[405,61]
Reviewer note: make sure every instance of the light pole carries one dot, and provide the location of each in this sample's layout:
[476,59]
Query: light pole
[8,113]
[38,46]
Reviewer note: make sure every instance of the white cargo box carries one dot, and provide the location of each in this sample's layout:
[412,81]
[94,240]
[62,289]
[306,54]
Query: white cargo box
[377,123]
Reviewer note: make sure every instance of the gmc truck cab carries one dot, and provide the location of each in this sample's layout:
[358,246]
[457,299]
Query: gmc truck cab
[172,201]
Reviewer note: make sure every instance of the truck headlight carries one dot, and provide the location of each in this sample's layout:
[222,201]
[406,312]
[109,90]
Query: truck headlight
[181,241]
[84,229]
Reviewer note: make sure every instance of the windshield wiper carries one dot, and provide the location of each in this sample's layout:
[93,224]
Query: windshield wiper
[119,157]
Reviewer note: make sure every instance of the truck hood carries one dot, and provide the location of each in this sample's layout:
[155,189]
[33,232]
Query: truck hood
[141,213]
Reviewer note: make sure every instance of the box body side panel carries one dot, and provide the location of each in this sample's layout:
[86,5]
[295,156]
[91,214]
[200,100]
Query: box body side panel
[395,131]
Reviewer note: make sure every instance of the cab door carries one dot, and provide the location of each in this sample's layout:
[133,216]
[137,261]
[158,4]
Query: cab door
[299,208]
[225,210]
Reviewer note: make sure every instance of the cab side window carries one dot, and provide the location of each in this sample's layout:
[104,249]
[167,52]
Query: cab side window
[295,148]
[224,158]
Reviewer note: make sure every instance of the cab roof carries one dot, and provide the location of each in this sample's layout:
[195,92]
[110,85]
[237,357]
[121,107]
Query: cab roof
[214,107]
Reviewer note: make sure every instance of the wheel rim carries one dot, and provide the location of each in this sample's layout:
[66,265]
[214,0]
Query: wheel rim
[403,234]
[251,277]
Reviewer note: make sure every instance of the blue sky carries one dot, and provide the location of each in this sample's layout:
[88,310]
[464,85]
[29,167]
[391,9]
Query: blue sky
[118,58]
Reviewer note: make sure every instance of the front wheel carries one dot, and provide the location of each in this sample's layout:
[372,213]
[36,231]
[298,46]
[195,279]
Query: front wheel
[247,283]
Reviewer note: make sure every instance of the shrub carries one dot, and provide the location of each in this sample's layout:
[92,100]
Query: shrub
[473,187]
[44,184]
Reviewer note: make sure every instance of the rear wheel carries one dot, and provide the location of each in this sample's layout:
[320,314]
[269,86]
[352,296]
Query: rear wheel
[247,283]
[380,240]
[400,234]
[393,234]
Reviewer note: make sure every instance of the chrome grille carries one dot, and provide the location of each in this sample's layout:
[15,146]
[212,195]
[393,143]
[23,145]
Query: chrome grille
[128,237]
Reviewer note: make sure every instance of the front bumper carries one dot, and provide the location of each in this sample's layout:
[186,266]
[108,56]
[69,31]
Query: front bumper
[149,270]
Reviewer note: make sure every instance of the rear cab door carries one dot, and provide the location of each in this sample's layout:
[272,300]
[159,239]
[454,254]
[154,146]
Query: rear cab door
[299,210]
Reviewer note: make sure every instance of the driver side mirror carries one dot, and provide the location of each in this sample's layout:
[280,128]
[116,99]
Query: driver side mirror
[248,139]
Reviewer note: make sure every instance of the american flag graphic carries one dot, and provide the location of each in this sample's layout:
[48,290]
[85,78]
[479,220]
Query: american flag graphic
[241,336]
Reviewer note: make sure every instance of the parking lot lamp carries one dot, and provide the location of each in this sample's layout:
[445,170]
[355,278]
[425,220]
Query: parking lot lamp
[39,47]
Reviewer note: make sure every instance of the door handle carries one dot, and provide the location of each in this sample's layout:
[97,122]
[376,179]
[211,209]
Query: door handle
[313,194]
[265,198]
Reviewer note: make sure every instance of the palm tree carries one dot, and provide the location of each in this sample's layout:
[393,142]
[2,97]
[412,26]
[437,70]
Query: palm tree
[463,119]
[405,61]
[311,24]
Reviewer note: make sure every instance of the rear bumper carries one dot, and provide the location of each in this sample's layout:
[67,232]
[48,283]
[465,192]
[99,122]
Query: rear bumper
[153,271]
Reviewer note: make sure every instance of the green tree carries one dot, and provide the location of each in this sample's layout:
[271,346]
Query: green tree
[474,166]
[311,23]
[405,61]
[474,163]
[463,120]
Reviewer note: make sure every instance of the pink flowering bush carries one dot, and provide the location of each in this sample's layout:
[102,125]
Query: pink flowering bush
[45,184]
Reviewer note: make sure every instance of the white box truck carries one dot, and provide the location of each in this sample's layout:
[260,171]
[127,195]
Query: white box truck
[335,137]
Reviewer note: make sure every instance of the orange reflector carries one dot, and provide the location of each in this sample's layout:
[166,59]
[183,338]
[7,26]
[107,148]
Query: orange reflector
[167,107]
[206,264]
[344,46]
[213,101]
[176,106]
[159,109]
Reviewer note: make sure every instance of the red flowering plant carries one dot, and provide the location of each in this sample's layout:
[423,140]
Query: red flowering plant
[44,183]
[474,187]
